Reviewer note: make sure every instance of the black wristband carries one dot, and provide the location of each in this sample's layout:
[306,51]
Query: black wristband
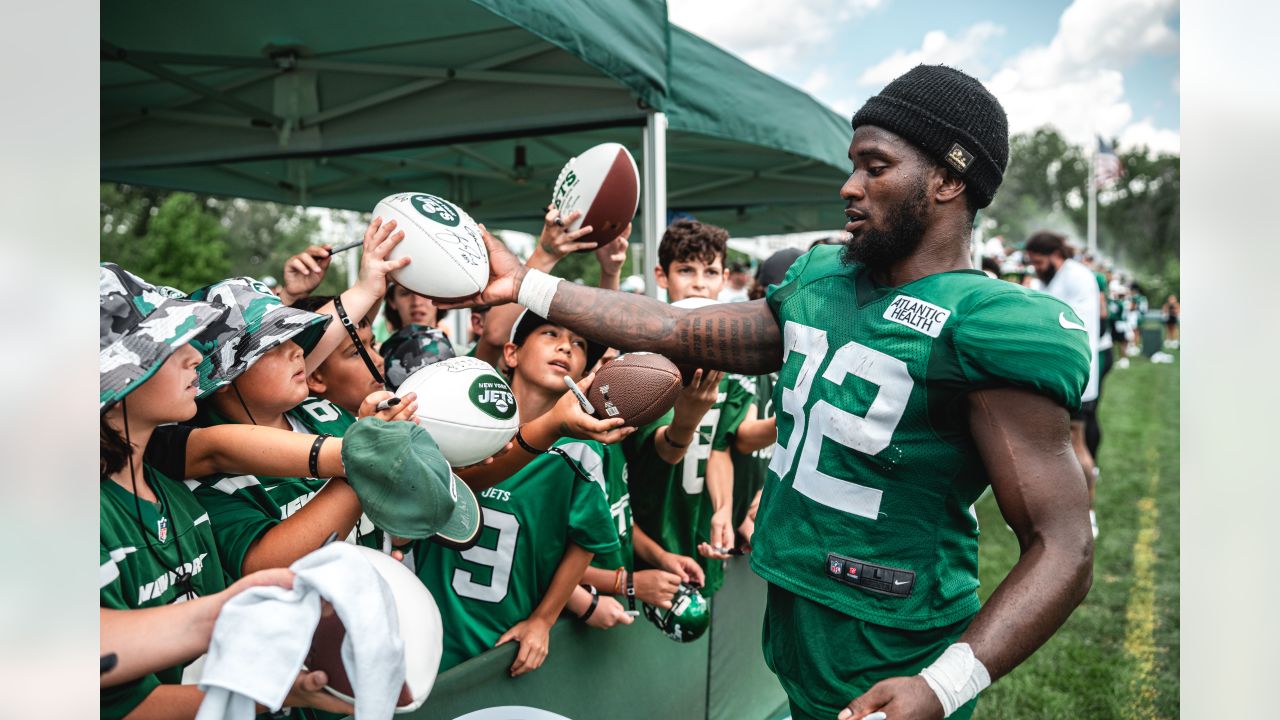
[313,461]
[524,444]
[350,327]
[675,444]
[631,591]
[595,600]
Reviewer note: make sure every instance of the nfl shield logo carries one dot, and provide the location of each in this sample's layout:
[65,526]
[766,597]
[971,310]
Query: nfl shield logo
[162,529]
[836,566]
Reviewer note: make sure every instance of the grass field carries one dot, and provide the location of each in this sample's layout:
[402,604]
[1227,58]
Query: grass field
[1117,656]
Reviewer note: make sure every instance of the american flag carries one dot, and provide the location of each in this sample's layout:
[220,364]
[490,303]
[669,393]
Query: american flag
[1107,167]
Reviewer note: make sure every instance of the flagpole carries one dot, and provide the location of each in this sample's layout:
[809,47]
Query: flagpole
[1093,201]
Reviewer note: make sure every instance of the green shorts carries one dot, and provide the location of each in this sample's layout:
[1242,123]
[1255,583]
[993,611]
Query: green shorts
[824,658]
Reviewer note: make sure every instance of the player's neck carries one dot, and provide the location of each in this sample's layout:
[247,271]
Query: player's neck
[940,251]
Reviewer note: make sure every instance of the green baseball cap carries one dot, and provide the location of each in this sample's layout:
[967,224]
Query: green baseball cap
[405,485]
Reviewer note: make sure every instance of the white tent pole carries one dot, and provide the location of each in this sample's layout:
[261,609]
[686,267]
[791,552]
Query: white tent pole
[653,194]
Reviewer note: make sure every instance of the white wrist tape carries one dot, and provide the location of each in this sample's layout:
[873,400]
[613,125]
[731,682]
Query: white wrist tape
[956,677]
[536,291]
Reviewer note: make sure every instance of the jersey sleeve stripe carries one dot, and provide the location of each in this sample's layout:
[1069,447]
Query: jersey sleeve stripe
[231,484]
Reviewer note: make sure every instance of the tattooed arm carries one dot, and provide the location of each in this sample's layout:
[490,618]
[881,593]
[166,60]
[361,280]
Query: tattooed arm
[738,337]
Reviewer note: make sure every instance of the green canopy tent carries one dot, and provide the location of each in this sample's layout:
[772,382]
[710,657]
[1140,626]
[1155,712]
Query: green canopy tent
[481,102]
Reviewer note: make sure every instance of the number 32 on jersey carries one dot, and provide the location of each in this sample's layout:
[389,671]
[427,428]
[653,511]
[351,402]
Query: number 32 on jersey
[870,433]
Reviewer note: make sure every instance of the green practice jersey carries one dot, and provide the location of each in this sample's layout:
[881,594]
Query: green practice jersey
[670,502]
[875,461]
[131,576]
[619,498]
[529,520]
[244,507]
[749,470]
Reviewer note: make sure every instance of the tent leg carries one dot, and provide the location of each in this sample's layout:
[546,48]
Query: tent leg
[653,194]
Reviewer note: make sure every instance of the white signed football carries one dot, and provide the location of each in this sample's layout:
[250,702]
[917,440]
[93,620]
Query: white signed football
[467,407]
[449,257]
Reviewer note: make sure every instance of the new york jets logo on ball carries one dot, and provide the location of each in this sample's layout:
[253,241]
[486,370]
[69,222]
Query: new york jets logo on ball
[441,211]
[493,398]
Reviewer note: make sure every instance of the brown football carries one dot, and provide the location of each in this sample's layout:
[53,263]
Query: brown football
[637,387]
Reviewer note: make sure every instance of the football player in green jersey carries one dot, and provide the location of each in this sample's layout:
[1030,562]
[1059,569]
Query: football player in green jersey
[156,547]
[541,525]
[907,382]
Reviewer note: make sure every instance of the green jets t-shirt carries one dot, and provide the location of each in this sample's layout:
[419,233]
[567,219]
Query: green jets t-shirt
[749,470]
[875,460]
[670,502]
[619,498]
[131,576]
[244,507]
[529,520]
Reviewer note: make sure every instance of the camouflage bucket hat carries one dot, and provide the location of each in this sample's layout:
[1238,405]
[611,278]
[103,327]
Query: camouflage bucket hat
[140,326]
[261,323]
[412,348]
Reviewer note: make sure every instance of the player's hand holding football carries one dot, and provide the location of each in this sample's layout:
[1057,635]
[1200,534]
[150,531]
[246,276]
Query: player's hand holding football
[609,612]
[406,410]
[571,421]
[308,691]
[303,272]
[556,240]
[505,273]
[534,636]
[657,587]
[379,240]
[613,255]
[899,698]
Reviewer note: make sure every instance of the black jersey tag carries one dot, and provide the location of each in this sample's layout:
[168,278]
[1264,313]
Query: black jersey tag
[872,578]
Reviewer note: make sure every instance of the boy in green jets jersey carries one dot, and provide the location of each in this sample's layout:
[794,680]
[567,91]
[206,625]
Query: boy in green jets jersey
[681,476]
[542,525]
[156,546]
[907,382]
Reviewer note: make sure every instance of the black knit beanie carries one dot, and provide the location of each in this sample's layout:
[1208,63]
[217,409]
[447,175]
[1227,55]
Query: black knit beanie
[952,118]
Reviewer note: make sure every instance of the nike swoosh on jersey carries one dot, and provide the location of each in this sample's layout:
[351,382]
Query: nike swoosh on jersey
[1064,322]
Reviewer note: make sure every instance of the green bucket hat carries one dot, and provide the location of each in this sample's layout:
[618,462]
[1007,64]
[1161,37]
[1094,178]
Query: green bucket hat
[405,485]
[262,323]
[140,326]
[412,348]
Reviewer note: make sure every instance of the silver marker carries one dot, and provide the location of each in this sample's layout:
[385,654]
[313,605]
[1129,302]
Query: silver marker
[582,399]
[387,404]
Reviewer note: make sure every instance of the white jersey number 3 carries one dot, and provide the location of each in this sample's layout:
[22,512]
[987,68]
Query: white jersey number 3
[870,433]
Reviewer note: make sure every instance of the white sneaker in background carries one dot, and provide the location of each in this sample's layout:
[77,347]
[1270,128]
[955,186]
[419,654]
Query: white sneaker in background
[1093,524]
[1122,363]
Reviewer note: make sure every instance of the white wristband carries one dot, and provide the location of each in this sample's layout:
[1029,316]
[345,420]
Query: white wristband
[956,677]
[536,291]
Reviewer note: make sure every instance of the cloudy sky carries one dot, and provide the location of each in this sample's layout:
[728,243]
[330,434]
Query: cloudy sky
[1104,66]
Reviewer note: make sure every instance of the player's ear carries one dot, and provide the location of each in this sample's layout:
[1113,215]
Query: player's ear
[949,188]
[661,276]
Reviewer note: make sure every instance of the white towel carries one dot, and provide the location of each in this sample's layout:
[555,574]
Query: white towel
[263,634]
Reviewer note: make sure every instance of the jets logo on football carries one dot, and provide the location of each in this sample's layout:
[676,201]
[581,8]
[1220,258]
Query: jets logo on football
[442,211]
[493,397]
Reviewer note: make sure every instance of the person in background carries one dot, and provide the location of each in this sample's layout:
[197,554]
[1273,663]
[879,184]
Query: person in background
[1073,283]
[1171,310]
[738,285]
